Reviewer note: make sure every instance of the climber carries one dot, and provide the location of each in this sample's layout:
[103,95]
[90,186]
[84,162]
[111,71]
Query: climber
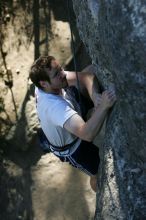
[69,135]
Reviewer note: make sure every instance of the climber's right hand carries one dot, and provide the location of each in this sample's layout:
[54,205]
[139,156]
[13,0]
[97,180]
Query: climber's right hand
[108,98]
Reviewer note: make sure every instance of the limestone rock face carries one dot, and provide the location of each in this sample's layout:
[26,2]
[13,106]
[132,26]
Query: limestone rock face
[114,33]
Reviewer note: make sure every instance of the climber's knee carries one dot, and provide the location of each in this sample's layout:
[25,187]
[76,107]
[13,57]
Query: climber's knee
[93,183]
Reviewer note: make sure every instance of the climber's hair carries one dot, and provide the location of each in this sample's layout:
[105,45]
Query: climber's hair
[38,70]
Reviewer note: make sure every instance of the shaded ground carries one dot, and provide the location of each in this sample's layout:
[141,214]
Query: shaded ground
[32,185]
[39,186]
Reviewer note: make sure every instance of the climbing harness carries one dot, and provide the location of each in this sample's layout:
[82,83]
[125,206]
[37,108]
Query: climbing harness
[45,143]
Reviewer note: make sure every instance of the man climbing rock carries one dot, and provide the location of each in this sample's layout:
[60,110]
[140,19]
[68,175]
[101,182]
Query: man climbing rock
[69,134]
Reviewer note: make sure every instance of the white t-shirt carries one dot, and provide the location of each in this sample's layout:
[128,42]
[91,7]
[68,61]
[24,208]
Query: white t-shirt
[53,111]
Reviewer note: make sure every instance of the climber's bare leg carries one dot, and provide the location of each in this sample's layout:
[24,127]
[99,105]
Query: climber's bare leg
[93,91]
[93,183]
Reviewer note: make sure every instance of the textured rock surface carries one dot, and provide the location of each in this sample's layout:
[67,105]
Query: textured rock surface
[114,33]
[24,131]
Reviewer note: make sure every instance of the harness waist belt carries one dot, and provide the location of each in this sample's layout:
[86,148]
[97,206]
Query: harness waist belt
[63,148]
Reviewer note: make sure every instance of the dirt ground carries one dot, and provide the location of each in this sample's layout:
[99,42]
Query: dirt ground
[33,185]
[37,186]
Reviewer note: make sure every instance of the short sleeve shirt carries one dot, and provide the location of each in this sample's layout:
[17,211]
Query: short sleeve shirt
[53,111]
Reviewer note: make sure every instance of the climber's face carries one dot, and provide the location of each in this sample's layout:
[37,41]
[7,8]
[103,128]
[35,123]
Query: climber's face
[57,76]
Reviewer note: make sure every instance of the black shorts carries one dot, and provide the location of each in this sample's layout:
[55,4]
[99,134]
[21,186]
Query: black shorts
[85,158]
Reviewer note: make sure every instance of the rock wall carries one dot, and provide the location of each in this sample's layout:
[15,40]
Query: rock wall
[114,33]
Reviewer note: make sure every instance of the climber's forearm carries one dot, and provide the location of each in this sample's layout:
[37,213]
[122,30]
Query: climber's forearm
[86,130]
[92,127]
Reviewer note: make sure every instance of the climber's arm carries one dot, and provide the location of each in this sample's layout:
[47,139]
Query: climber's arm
[88,130]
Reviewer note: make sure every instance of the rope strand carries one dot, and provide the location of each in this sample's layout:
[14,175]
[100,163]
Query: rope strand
[74,58]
